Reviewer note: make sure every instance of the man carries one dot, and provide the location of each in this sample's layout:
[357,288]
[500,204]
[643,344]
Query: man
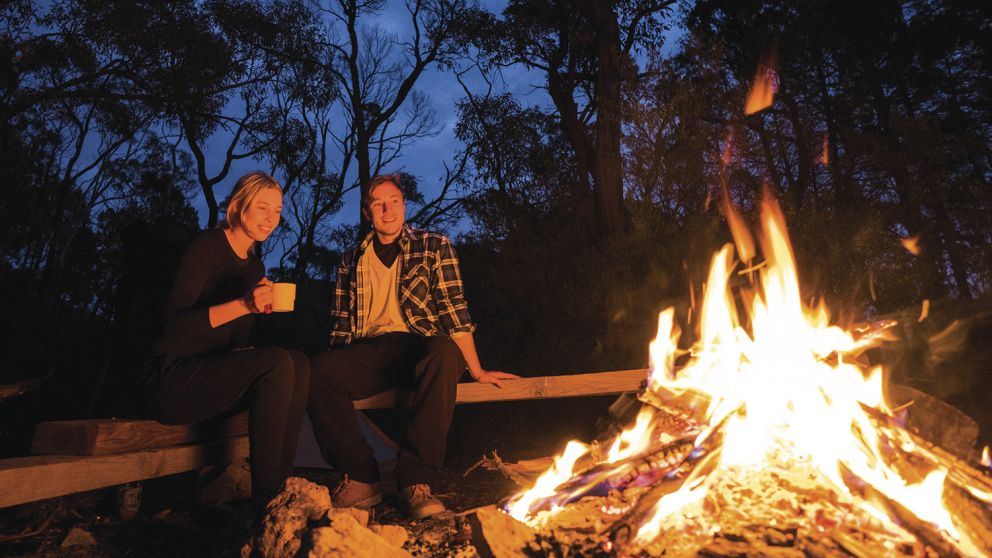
[399,319]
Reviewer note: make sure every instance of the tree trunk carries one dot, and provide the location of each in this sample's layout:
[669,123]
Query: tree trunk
[804,156]
[573,129]
[608,185]
[364,176]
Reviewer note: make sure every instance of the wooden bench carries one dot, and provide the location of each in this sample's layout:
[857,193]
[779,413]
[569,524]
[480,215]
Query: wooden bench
[80,455]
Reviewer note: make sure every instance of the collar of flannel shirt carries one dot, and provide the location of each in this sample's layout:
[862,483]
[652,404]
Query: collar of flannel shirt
[451,310]
[404,239]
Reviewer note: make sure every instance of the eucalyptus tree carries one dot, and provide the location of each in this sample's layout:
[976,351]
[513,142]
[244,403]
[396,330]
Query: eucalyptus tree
[586,51]
[378,68]
[68,119]
[881,119]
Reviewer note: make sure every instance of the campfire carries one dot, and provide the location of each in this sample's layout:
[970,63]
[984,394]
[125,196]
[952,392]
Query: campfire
[774,438]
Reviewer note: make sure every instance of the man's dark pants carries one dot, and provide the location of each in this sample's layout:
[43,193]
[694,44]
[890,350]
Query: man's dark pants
[428,366]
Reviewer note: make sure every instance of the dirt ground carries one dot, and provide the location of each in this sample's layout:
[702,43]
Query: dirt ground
[172,523]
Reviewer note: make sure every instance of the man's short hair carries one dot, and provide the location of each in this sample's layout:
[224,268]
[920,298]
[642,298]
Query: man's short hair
[377,181]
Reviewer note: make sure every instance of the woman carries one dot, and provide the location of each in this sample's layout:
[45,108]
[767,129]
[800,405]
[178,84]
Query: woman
[204,363]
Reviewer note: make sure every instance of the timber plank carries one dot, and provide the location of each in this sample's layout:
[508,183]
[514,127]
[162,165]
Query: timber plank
[109,436]
[19,388]
[543,387]
[26,479]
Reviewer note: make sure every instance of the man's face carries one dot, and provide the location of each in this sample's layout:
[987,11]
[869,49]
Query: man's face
[387,211]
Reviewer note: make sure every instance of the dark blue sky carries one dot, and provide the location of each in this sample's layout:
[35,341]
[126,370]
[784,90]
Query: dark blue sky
[425,158]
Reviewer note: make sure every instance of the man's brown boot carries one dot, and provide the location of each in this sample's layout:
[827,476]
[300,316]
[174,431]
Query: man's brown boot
[418,502]
[354,494]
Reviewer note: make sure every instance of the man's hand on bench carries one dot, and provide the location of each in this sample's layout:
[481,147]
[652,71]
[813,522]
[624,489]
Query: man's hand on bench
[494,377]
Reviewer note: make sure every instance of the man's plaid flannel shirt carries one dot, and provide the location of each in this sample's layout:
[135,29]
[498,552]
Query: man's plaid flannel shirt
[430,288]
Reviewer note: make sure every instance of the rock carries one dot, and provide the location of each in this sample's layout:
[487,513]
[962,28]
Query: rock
[345,537]
[301,521]
[221,484]
[497,535]
[299,493]
[172,518]
[393,534]
[287,516]
[78,537]
[360,515]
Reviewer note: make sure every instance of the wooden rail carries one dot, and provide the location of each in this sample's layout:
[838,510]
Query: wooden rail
[543,387]
[17,389]
[79,455]
[109,436]
[26,479]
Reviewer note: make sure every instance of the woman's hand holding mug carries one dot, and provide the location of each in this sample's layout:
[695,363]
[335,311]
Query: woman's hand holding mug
[259,299]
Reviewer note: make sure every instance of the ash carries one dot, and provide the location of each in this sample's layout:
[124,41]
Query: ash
[784,511]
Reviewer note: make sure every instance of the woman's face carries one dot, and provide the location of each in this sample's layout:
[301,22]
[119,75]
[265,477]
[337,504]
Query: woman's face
[262,216]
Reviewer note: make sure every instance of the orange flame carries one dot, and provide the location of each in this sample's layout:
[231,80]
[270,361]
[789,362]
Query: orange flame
[911,244]
[924,310]
[786,393]
[986,461]
[825,153]
[762,93]
[740,232]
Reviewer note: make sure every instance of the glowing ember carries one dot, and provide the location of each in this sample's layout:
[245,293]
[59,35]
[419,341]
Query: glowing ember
[727,154]
[911,244]
[785,402]
[924,310]
[825,153]
[986,461]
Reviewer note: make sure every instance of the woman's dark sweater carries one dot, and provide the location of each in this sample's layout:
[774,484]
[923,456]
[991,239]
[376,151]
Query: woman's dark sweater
[209,273]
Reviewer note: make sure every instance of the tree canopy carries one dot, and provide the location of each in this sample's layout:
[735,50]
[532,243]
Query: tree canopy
[579,209]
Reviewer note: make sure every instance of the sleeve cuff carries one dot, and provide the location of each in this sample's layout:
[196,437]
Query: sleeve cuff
[461,330]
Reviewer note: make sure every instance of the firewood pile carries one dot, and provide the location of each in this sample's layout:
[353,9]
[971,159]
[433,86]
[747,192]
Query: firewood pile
[784,511]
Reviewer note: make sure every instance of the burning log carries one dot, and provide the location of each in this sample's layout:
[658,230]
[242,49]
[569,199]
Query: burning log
[970,515]
[900,515]
[849,545]
[934,420]
[623,531]
[698,463]
[646,467]
[961,473]
[681,411]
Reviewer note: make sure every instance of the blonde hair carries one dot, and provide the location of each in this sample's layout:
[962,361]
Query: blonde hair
[243,194]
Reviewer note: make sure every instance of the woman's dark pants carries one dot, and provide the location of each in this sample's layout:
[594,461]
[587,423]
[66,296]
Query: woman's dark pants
[271,383]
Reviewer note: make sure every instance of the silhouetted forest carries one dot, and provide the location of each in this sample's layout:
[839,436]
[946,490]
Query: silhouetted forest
[588,213]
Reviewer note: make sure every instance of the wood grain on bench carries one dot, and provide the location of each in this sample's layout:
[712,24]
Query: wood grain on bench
[543,387]
[26,479]
[110,436]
